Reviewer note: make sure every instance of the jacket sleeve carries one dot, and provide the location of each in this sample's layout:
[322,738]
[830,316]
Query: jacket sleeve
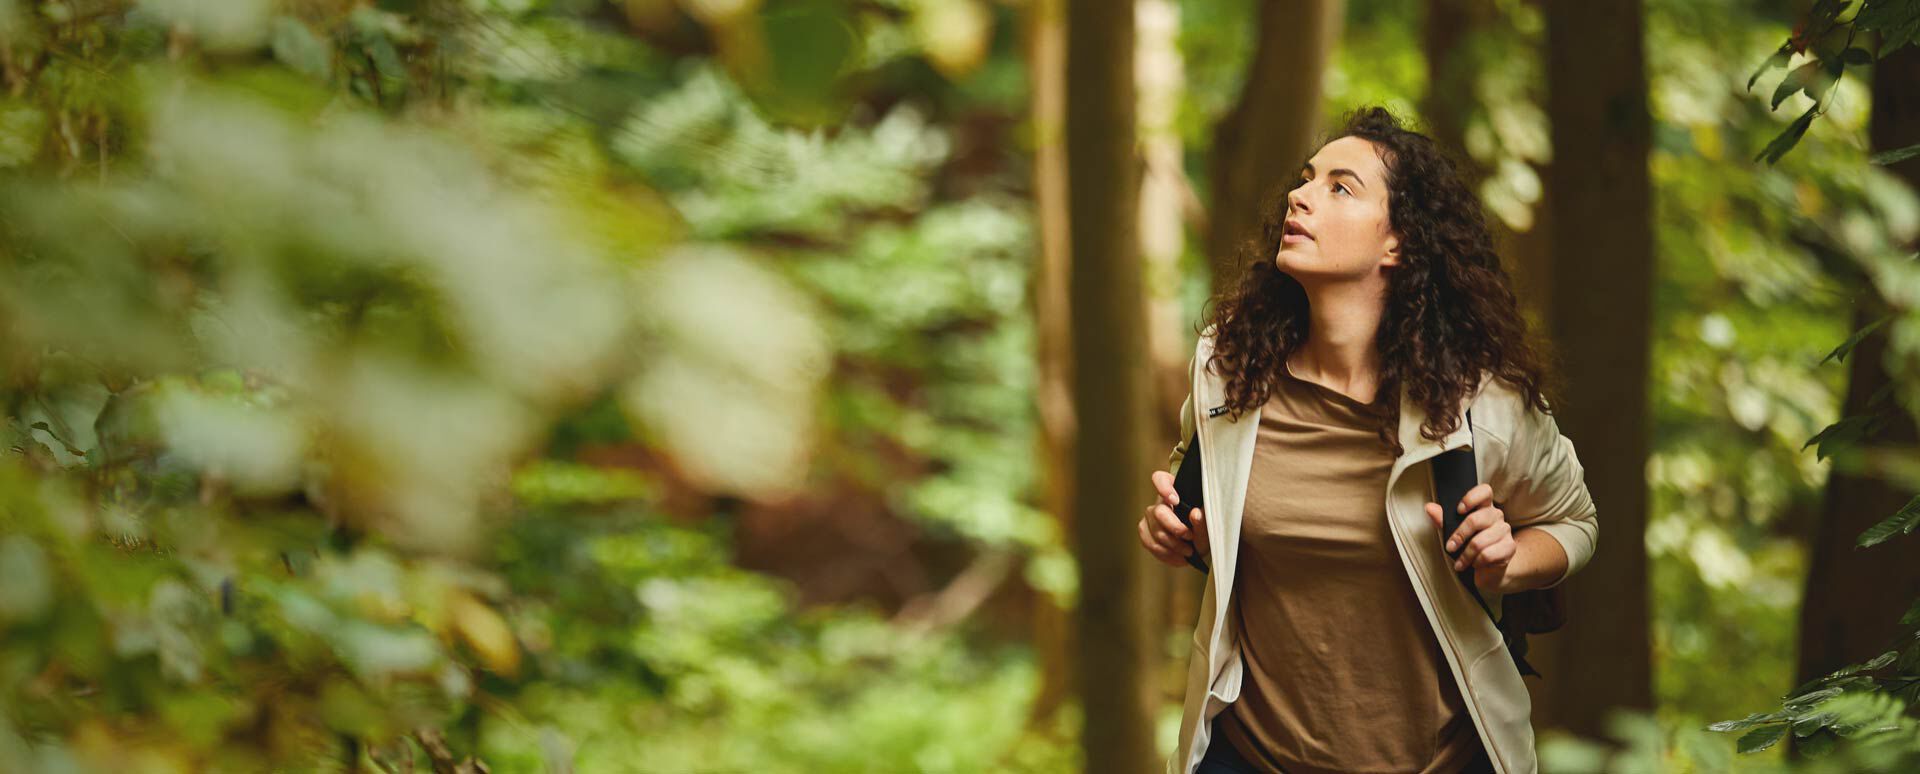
[1547,489]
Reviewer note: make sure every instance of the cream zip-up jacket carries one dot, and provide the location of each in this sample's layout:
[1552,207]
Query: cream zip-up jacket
[1536,478]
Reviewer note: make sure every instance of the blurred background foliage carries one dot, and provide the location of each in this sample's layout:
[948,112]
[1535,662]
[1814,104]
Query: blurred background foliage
[556,385]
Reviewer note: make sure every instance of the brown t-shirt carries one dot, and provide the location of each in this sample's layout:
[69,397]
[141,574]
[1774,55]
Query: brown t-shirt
[1343,673]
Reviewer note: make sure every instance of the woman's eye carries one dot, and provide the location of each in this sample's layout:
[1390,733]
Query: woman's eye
[1342,187]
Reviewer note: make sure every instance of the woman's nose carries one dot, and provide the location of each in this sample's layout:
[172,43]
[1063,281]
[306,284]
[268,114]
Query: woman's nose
[1296,200]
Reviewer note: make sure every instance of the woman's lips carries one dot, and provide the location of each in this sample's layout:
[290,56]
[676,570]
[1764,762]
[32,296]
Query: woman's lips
[1294,232]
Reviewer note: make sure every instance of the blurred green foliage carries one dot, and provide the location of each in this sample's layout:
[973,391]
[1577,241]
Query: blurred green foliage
[310,306]
[323,319]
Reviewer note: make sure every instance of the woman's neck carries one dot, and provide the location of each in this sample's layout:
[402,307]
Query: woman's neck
[1340,352]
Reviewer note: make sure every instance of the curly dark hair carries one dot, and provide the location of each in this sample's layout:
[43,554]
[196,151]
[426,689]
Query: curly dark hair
[1450,309]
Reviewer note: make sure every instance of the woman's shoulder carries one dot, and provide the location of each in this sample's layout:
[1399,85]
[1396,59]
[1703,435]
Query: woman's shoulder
[1499,406]
[1203,347]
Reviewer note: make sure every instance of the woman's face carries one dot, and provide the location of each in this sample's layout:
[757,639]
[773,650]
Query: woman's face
[1341,201]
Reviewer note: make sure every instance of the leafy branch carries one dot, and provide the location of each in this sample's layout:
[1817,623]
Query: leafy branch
[1826,35]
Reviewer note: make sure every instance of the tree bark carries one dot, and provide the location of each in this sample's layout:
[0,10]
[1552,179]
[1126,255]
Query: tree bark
[1109,385]
[1854,597]
[1169,598]
[1601,320]
[1269,134]
[1452,72]
[1046,67]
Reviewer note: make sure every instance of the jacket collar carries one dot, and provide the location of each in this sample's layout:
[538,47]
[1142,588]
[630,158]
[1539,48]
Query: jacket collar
[1416,447]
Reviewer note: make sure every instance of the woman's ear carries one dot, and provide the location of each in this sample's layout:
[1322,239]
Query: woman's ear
[1391,256]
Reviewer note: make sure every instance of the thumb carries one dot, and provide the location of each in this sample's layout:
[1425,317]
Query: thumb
[1433,512]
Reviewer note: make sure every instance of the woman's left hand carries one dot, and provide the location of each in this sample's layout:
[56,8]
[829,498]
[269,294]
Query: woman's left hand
[1485,533]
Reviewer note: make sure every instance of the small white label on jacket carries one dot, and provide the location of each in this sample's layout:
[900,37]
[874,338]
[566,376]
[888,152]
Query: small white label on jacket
[1216,411]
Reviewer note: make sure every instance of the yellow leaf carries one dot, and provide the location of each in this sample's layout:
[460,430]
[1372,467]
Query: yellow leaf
[486,632]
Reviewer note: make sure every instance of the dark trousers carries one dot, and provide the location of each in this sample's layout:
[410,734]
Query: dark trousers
[1222,758]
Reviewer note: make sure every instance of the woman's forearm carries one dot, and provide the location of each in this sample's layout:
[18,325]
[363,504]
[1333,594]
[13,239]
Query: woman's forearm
[1537,561]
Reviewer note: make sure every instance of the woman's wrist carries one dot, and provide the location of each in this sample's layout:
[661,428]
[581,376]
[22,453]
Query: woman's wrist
[1538,561]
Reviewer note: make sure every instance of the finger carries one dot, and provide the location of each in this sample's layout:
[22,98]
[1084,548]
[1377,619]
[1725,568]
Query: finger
[1461,535]
[1163,483]
[1154,548]
[1478,496]
[1497,554]
[1473,524]
[1438,515]
[1199,527]
[1477,547]
[1175,545]
[1169,522]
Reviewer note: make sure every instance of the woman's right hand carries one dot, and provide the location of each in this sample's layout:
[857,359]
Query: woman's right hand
[1161,532]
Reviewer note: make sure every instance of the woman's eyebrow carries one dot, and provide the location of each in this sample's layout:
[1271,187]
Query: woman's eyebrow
[1348,172]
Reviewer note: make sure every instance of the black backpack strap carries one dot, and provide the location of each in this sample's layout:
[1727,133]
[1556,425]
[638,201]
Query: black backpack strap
[1454,474]
[1186,483]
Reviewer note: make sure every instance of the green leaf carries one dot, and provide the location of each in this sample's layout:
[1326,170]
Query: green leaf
[1817,744]
[1834,682]
[1842,434]
[1896,22]
[1880,661]
[1779,59]
[1820,87]
[1856,56]
[1846,347]
[1894,156]
[1806,700]
[1797,80]
[1912,617]
[1808,725]
[1902,523]
[1865,713]
[1761,738]
[1747,722]
[1787,139]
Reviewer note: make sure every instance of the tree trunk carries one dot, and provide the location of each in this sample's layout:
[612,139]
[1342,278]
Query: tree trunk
[1452,72]
[1270,133]
[1854,597]
[1046,68]
[1170,597]
[1109,386]
[1601,321]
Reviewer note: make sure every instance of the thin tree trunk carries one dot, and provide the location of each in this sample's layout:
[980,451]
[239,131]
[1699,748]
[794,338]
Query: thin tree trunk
[1854,597]
[1601,320]
[1046,68]
[1109,385]
[1169,597]
[1452,72]
[1163,201]
[1268,135]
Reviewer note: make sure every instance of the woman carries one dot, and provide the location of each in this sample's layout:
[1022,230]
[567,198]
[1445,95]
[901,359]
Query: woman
[1334,633]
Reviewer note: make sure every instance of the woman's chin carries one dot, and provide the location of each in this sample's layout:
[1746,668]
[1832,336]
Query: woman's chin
[1291,259]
